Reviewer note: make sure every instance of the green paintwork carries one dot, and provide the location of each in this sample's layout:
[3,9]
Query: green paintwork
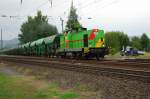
[50,39]
[27,45]
[75,40]
[39,42]
[33,44]
[62,42]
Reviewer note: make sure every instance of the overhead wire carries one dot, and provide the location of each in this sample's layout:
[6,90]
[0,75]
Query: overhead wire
[100,7]
[49,16]
[87,5]
[35,9]
[40,7]
[43,5]
[84,5]
[30,11]
[54,18]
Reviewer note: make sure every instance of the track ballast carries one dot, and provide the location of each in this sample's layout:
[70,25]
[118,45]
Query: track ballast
[131,69]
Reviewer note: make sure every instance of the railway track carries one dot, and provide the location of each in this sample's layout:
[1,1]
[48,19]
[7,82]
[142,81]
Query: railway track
[138,70]
[122,63]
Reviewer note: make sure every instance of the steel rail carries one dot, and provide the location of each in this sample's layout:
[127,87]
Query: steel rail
[131,63]
[136,74]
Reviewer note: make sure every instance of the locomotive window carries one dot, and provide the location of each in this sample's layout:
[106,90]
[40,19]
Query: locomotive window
[102,40]
[86,40]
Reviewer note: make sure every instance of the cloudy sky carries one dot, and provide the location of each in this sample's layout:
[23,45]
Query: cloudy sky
[129,16]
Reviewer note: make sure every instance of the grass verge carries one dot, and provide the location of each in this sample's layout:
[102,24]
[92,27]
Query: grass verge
[18,87]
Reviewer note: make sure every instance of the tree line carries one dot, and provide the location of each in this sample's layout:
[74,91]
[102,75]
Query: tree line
[117,40]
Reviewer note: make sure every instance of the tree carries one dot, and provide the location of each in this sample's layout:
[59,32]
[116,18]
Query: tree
[35,28]
[144,41]
[73,23]
[136,42]
[124,40]
[116,40]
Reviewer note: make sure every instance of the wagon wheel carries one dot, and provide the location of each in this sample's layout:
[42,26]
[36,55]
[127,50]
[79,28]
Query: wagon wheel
[97,57]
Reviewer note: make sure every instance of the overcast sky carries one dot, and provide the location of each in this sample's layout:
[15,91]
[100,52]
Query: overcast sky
[129,16]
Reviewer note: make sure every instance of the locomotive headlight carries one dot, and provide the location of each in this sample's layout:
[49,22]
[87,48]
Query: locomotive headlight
[102,39]
[103,45]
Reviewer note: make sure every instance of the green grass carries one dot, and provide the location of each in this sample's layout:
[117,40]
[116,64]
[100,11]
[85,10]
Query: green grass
[115,56]
[82,87]
[53,92]
[17,88]
[146,55]
[12,88]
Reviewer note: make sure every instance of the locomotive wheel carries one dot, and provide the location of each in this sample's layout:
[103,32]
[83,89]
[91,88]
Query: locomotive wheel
[97,57]
[86,56]
[102,56]
[79,56]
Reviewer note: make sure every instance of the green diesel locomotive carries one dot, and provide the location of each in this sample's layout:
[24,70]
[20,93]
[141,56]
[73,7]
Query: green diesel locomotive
[89,44]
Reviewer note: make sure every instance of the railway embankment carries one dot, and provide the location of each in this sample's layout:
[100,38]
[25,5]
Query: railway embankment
[89,84]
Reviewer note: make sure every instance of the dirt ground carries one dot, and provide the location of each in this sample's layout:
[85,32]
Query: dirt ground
[87,86]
